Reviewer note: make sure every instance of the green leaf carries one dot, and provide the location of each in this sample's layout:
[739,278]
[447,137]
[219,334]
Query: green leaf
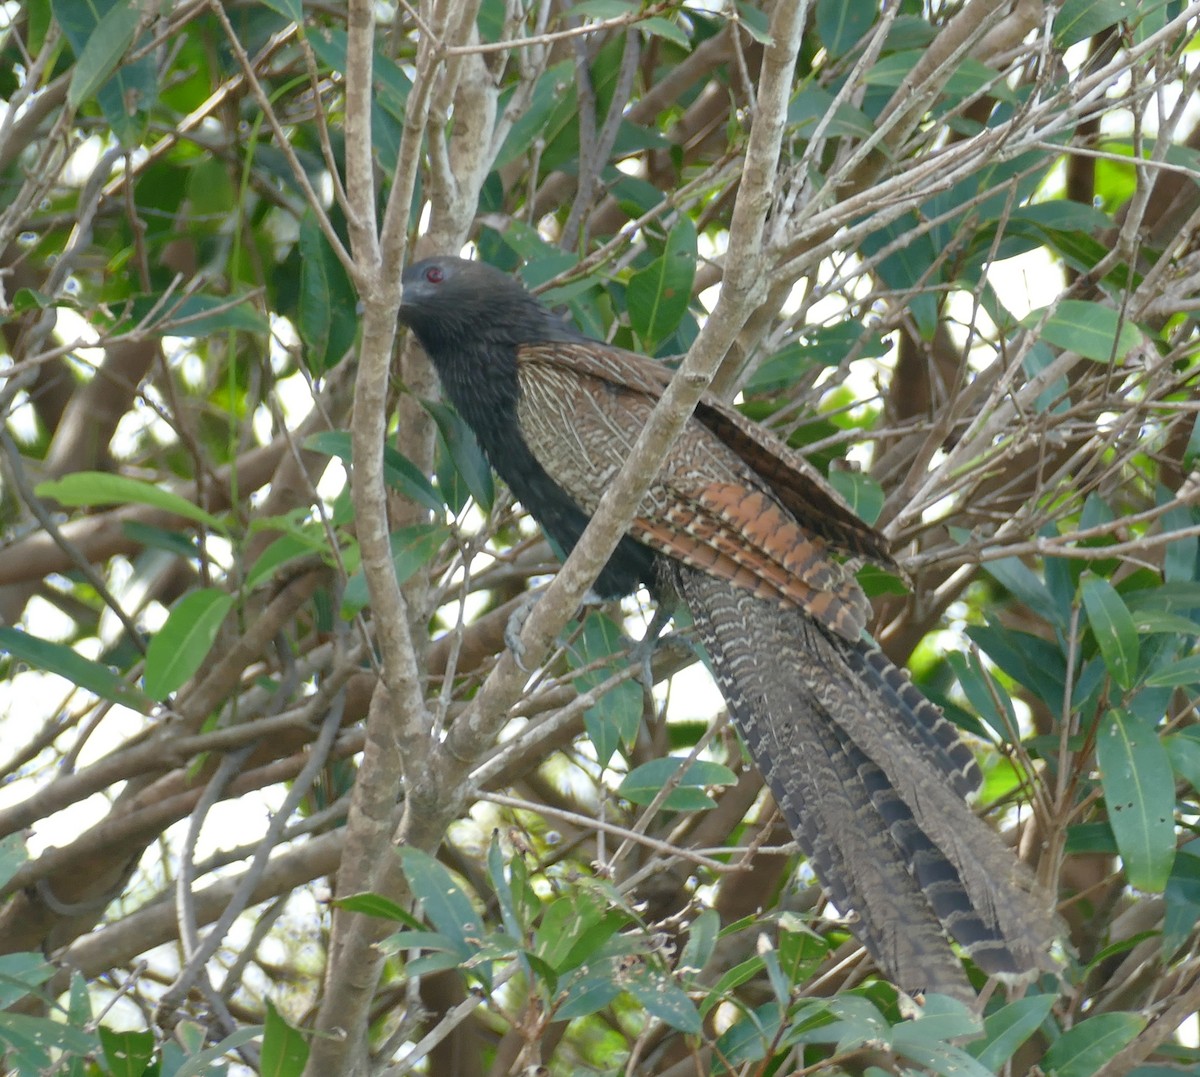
[754,22]
[862,493]
[377,905]
[284,549]
[702,940]
[102,488]
[811,105]
[858,1021]
[1186,671]
[1083,1049]
[644,783]
[1089,329]
[327,321]
[940,1019]
[587,995]
[733,978]
[130,90]
[198,1064]
[289,9]
[445,904]
[412,547]
[128,1054]
[658,296]
[502,889]
[1013,574]
[461,450]
[105,47]
[1183,749]
[175,543]
[573,928]
[21,975]
[666,29]
[842,23]
[284,1048]
[57,658]
[1182,900]
[180,647]
[1005,1030]
[12,855]
[327,317]
[192,316]
[661,997]
[1139,790]
[602,9]
[390,82]
[1112,625]
[531,123]
[616,716]
[27,299]
[399,472]
[39,1033]
[1150,622]
[1078,20]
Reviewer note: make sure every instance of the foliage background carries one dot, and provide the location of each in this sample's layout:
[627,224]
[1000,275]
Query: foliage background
[956,251]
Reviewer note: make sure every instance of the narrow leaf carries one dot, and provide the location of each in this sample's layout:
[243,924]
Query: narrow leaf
[1005,1030]
[863,493]
[399,472]
[1139,789]
[661,997]
[289,9]
[327,321]
[198,1064]
[105,47]
[57,658]
[85,488]
[127,1053]
[463,452]
[445,904]
[617,715]
[1112,625]
[841,23]
[658,296]
[284,1048]
[377,905]
[1086,1047]
[1078,20]
[644,783]
[1086,328]
[413,547]
[1022,581]
[12,855]
[1185,671]
[501,888]
[587,995]
[180,647]
[702,939]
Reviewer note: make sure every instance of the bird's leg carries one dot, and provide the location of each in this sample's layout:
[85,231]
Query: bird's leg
[516,623]
[643,650]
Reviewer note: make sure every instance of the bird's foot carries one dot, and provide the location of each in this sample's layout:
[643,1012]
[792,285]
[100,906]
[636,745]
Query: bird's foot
[516,624]
[643,651]
[512,630]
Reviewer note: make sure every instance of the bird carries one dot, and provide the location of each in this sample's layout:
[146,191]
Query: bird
[870,776]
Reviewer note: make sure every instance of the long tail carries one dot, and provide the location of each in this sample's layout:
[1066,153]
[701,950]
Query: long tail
[871,778]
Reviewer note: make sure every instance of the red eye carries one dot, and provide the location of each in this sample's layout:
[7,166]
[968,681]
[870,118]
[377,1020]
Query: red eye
[435,275]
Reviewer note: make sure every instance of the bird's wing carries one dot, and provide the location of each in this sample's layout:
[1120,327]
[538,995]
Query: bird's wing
[796,484]
[707,507]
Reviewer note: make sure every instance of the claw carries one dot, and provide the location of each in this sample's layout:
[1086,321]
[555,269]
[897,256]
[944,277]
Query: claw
[643,652]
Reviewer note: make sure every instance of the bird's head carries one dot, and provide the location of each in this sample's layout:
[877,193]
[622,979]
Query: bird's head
[453,305]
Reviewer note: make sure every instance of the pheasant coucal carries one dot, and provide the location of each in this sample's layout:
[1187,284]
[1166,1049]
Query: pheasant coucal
[870,776]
